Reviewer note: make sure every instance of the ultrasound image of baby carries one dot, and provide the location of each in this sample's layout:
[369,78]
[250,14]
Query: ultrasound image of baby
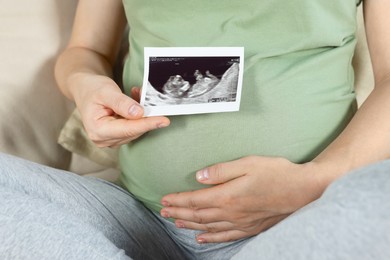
[192,85]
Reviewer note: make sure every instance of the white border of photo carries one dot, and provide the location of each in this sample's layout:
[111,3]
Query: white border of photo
[186,109]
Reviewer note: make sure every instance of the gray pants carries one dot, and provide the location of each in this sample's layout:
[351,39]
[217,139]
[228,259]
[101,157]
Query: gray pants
[50,214]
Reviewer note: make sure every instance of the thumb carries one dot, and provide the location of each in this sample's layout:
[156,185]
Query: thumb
[124,106]
[221,172]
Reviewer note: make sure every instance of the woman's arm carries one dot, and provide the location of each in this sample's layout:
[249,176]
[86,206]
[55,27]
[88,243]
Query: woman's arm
[254,193]
[97,32]
[367,137]
[83,73]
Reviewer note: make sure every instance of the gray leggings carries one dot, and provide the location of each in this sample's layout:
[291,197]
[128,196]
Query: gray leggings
[51,214]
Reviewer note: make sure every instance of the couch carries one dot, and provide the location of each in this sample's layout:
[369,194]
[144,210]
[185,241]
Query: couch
[33,112]
[37,122]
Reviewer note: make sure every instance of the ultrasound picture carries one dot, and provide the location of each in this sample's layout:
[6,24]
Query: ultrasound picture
[192,80]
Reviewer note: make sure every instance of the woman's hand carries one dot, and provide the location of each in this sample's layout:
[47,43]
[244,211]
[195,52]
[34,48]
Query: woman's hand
[249,196]
[110,117]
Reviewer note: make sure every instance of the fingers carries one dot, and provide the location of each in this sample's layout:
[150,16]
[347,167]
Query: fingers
[123,105]
[113,118]
[221,237]
[225,232]
[95,91]
[205,198]
[214,227]
[236,234]
[224,172]
[123,128]
[116,131]
[198,216]
[110,117]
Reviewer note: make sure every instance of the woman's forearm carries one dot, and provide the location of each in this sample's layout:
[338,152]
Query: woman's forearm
[75,61]
[367,137]
[365,140]
[93,45]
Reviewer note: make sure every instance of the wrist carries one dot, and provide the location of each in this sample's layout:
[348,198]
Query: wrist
[76,84]
[82,84]
[324,172]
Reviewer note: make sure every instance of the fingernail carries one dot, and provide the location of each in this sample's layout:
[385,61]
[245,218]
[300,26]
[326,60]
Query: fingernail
[135,110]
[200,240]
[162,125]
[202,175]
[165,214]
[179,224]
[165,203]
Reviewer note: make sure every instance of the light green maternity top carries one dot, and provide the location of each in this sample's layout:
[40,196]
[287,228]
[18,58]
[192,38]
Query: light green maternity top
[297,94]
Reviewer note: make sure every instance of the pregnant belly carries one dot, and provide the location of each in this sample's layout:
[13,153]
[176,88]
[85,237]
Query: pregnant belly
[166,160]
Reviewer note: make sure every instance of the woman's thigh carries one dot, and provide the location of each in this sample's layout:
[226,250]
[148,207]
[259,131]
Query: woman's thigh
[350,221]
[47,213]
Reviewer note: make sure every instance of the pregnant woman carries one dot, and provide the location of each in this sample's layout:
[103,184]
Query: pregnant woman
[261,183]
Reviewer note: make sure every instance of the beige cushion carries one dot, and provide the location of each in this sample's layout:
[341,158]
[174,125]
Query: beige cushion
[32,110]
[74,138]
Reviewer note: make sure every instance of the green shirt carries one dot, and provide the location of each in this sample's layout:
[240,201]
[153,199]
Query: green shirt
[297,94]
